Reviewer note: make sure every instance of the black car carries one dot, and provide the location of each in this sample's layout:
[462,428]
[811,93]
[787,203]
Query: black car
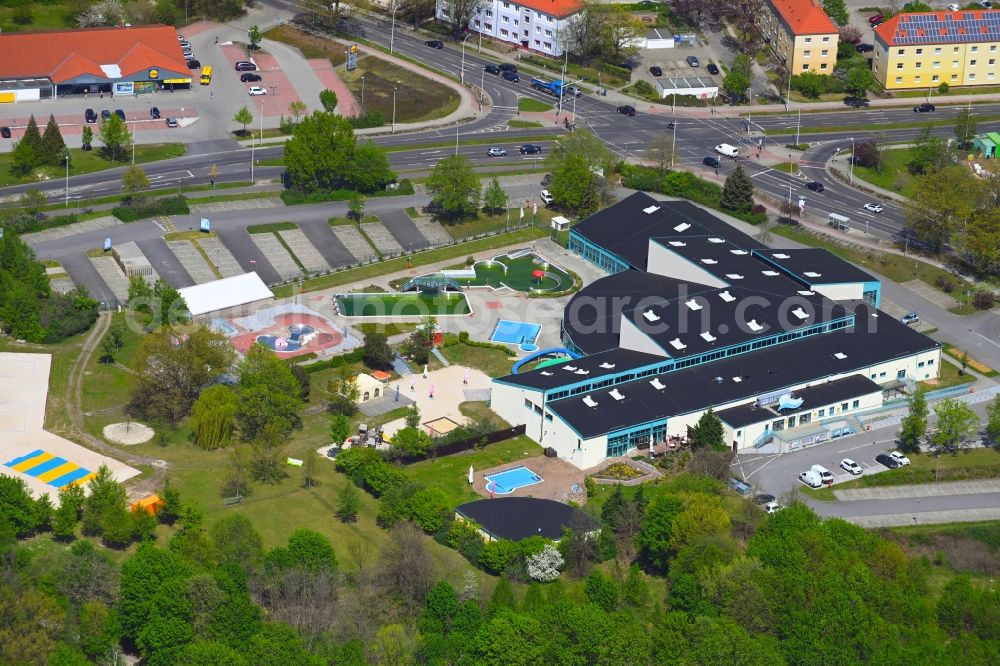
[529,149]
[434,43]
[656,71]
[508,67]
[711,161]
[5,132]
[627,110]
[510,76]
[815,186]
[120,113]
[887,460]
[249,76]
[924,108]
[90,116]
[857,102]
[154,113]
[865,48]
[491,69]
[546,180]
[194,64]
[763,498]
[713,69]
[105,114]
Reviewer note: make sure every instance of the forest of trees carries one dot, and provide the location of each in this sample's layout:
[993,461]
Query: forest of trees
[694,575]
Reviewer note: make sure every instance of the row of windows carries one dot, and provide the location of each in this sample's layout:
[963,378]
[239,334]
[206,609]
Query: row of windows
[937,50]
[808,40]
[807,53]
[937,64]
[803,419]
[805,66]
[954,77]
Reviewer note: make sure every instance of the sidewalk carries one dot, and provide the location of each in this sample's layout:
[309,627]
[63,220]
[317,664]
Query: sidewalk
[974,487]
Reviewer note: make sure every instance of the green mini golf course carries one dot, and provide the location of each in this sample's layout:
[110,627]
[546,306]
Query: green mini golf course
[402,305]
[520,273]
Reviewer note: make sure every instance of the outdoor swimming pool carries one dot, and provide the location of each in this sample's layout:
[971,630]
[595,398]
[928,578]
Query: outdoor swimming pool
[515,332]
[504,483]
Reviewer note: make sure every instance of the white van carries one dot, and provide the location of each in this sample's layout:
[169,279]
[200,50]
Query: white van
[825,475]
[727,150]
[811,479]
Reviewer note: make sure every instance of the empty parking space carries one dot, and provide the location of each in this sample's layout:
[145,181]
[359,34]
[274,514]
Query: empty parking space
[221,257]
[381,238]
[308,256]
[354,242]
[240,204]
[112,276]
[192,261]
[433,232]
[280,259]
[165,263]
[401,226]
[321,236]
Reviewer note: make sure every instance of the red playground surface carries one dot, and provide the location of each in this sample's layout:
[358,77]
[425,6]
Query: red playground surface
[291,334]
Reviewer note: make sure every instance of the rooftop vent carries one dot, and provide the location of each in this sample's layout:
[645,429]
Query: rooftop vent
[715,239]
[571,368]
[737,379]
[727,297]
[590,402]
[683,226]
[649,210]
[840,356]
[812,274]
[607,366]
[754,326]
[677,344]
[709,261]
[650,316]
[708,337]
[770,273]
[734,276]
[616,394]
[657,384]
[678,243]
[717,380]
[807,292]
[738,252]
[800,313]
[546,373]
[780,255]
[581,371]
[693,304]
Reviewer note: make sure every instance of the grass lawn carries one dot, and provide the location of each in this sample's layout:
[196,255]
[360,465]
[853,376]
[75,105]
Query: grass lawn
[893,174]
[402,305]
[44,17]
[311,47]
[893,266]
[517,274]
[418,258]
[493,362]
[519,124]
[389,328]
[271,227]
[926,468]
[485,223]
[188,235]
[973,363]
[786,167]
[949,376]
[528,104]
[345,221]
[972,548]
[215,198]
[451,473]
[89,161]
[417,98]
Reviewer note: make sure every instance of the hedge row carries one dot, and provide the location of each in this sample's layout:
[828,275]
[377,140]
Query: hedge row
[685,185]
[175,205]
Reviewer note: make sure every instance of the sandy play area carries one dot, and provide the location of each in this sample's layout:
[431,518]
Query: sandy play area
[439,413]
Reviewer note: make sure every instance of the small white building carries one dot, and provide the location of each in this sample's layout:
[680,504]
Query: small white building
[530,24]
[702,87]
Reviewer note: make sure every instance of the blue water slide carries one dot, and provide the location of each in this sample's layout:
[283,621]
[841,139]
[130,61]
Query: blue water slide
[540,353]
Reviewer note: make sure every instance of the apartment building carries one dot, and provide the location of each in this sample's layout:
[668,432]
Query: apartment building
[801,34]
[530,24]
[927,49]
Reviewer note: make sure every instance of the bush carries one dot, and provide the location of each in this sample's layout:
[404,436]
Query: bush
[945,284]
[328,99]
[943,88]
[644,88]
[369,119]
[356,356]
[813,85]
[983,299]
[175,205]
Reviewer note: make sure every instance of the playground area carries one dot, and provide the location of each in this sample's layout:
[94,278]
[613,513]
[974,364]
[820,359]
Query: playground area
[421,304]
[438,395]
[521,270]
[288,330]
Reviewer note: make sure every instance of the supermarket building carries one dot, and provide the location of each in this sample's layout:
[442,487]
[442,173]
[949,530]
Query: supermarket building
[788,347]
[119,60]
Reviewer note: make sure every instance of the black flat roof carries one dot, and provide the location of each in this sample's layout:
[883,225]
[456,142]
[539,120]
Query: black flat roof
[875,338]
[819,395]
[518,518]
[582,369]
[824,266]
[625,228]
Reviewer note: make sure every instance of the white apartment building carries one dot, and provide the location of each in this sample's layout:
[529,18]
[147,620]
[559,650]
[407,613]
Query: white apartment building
[530,24]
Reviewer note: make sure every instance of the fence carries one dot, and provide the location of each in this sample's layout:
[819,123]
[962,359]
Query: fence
[464,444]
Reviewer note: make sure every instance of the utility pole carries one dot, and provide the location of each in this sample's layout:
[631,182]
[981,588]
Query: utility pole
[673,146]
[66,157]
[851,177]
[798,125]
[392,127]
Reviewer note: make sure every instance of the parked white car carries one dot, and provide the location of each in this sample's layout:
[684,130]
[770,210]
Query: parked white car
[899,457]
[873,207]
[811,479]
[256,90]
[851,467]
[547,197]
[772,507]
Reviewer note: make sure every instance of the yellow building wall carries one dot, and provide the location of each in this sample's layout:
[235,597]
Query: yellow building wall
[805,53]
[930,65]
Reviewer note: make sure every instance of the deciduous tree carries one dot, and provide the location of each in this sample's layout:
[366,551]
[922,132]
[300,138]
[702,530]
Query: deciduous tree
[454,187]
[369,169]
[348,503]
[956,425]
[495,197]
[913,427]
[837,10]
[460,13]
[574,186]
[965,127]
[134,185]
[116,138]
[213,418]
[661,150]
[244,117]
[738,78]
[318,156]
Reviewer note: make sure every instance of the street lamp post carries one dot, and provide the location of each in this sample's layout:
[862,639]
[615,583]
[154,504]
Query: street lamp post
[462,76]
[362,93]
[66,157]
[851,170]
[798,125]
[574,114]
[392,31]
[673,145]
[482,89]
[749,108]
[392,128]
[562,87]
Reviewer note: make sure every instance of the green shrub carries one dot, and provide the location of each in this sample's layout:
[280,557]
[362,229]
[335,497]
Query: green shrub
[174,205]
[368,119]
[380,476]
[350,461]
[496,555]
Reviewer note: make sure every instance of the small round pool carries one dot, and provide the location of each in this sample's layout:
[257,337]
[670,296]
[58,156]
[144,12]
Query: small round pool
[528,347]
[299,331]
[278,344]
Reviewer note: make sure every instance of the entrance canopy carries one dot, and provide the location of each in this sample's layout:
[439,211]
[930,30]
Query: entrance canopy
[226,293]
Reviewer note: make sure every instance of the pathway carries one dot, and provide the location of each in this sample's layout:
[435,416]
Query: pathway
[327,75]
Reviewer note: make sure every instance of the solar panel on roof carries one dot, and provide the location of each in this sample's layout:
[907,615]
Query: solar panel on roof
[946,28]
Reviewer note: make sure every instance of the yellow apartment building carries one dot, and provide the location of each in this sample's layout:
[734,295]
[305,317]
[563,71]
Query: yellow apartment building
[801,34]
[927,49]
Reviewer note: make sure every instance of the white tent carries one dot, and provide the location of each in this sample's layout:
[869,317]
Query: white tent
[226,293]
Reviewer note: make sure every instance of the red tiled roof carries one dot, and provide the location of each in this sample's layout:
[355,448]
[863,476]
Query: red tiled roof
[557,8]
[66,54]
[805,18]
[949,27]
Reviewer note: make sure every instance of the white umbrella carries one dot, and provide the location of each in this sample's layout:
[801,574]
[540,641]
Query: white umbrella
[470,474]
[425,372]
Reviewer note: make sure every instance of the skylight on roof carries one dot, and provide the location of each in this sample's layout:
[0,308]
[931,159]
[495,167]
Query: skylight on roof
[693,305]
[678,243]
[807,292]
[616,394]
[770,273]
[812,274]
[571,368]
[754,326]
[734,276]
[709,261]
[581,371]
[727,297]
[683,226]
[840,356]
[607,366]
[715,239]
[708,337]
[657,384]
[649,210]
[590,402]
[800,313]
[546,373]
[738,252]
[780,255]
[650,316]
[677,344]
[737,379]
